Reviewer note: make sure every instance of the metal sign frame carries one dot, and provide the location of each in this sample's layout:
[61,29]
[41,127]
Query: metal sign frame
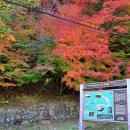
[110,85]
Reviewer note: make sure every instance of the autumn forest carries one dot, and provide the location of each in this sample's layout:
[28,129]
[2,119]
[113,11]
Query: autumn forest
[63,43]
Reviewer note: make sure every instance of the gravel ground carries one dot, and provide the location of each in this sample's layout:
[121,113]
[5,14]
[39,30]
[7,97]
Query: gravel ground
[69,124]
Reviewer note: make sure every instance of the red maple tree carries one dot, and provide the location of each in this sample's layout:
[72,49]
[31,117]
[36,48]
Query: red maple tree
[86,49]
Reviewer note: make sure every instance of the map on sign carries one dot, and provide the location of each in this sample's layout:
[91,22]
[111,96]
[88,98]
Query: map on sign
[98,105]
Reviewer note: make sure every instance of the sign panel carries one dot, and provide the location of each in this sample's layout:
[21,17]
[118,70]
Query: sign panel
[106,84]
[120,105]
[98,105]
[111,105]
[107,105]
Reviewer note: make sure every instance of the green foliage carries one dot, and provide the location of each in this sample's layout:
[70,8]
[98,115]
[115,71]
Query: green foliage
[46,43]
[93,7]
[31,48]
[27,78]
[4,30]
[32,3]
[8,11]
[3,59]
[119,44]
[56,62]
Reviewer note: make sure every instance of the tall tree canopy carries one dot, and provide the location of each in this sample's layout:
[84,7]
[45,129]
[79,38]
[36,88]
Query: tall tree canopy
[69,53]
[86,49]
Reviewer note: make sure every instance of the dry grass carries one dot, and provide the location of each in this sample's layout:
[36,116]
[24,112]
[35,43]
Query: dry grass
[27,99]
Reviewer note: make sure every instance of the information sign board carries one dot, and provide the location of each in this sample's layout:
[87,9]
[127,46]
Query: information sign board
[111,105]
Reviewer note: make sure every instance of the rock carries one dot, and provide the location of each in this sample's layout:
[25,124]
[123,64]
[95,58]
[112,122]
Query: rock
[43,111]
[67,116]
[25,117]
[52,118]
[25,122]
[34,106]
[46,116]
[1,120]
[30,117]
[18,116]
[17,122]
[40,117]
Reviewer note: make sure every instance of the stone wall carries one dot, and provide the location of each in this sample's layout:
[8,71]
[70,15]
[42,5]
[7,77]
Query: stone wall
[40,111]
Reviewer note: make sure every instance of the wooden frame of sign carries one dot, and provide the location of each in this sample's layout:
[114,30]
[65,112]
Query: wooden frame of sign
[112,104]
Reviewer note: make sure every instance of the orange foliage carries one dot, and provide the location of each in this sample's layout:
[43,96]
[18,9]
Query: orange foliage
[86,49]
[14,59]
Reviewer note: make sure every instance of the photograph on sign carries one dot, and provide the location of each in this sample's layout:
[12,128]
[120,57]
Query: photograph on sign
[98,105]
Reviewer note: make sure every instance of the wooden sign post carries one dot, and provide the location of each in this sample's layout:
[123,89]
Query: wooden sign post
[128,102]
[111,104]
